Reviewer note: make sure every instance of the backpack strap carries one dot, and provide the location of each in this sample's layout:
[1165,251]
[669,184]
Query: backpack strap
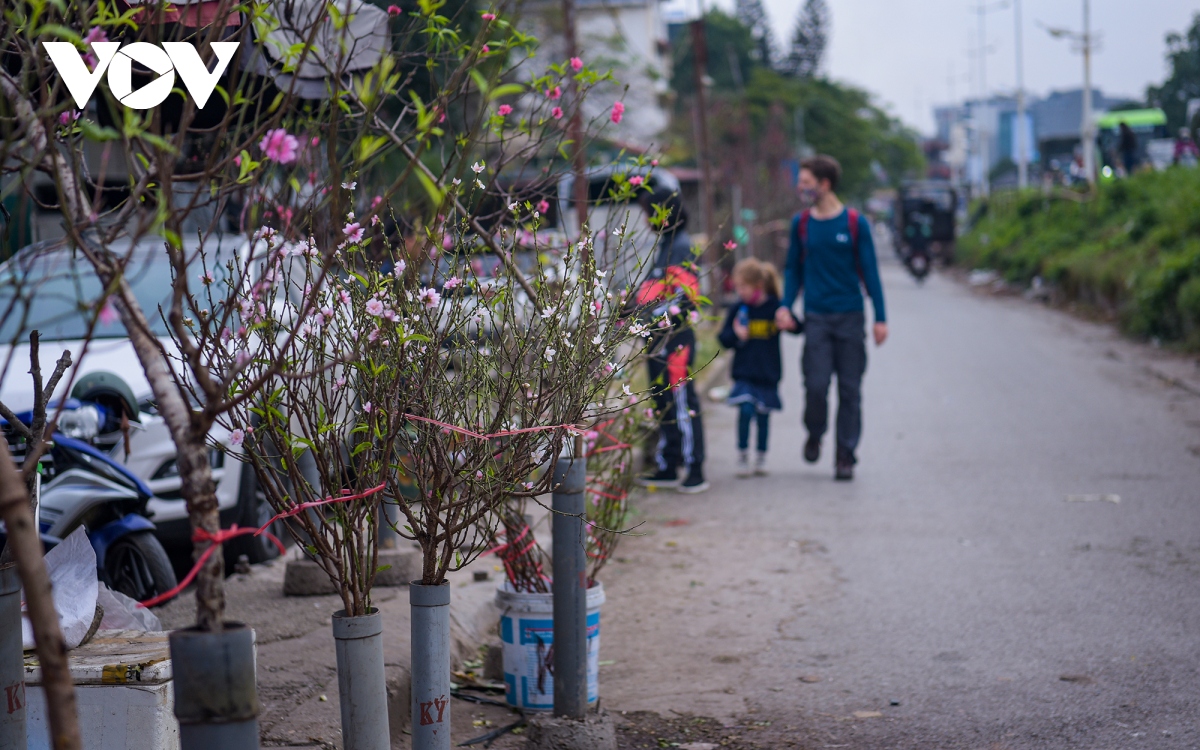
[802,230]
[852,217]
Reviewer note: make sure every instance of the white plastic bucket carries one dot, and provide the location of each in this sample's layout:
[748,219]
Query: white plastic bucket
[527,632]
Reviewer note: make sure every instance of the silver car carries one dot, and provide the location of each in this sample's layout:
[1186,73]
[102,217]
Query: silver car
[48,287]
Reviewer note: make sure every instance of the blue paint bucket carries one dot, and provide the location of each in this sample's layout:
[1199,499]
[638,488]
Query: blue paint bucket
[527,635]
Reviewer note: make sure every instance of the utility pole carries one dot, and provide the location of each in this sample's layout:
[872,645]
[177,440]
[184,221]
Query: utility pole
[699,73]
[1088,131]
[984,157]
[579,186]
[981,129]
[1019,130]
[1086,42]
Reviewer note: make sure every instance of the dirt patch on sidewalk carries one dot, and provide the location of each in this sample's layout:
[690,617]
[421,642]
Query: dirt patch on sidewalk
[644,729]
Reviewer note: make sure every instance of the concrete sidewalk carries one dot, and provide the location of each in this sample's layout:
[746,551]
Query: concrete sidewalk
[297,673]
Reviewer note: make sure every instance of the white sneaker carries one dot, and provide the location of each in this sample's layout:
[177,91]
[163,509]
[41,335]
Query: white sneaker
[760,465]
[743,466]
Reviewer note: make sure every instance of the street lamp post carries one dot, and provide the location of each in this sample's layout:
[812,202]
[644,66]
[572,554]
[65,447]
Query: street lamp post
[981,129]
[1019,130]
[1086,42]
[1088,131]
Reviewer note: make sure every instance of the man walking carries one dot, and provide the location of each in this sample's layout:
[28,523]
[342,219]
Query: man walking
[831,256]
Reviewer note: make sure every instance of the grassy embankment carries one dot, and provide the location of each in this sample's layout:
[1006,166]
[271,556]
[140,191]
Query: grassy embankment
[1132,254]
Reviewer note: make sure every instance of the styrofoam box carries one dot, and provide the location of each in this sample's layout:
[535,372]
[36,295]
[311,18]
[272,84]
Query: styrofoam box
[123,691]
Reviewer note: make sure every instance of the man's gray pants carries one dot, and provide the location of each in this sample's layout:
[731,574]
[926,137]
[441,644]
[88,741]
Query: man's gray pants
[834,344]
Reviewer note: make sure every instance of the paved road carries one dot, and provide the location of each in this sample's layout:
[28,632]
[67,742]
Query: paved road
[953,577]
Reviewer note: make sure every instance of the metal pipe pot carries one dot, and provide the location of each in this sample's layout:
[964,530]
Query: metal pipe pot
[570,587]
[362,687]
[430,665]
[216,698]
[12,661]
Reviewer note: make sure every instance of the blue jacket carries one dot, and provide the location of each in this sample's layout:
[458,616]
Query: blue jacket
[828,273]
[757,359]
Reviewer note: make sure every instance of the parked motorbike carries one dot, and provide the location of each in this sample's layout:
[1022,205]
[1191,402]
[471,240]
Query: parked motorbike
[915,254]
[83,486]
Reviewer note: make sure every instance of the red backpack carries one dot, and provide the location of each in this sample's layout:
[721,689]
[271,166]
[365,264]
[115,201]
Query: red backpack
[852,218]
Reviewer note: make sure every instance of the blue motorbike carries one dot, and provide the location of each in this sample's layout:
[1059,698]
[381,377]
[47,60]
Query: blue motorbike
[82,485]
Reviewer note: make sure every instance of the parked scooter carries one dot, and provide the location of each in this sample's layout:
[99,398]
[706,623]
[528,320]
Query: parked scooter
[83,486]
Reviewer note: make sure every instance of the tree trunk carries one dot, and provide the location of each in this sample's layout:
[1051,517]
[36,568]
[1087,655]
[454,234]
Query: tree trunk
[188,431]
[26,545]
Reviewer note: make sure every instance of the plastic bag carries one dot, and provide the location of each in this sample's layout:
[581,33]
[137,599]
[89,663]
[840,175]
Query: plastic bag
[72,568]
[123,613]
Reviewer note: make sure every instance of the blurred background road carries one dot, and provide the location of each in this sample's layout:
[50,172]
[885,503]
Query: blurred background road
[1014,566]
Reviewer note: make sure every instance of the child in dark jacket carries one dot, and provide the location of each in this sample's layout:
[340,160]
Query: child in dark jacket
[750,331]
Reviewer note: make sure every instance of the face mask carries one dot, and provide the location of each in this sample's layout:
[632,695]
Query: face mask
[809,196]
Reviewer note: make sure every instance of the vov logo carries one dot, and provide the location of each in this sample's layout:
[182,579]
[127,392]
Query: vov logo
[166,61]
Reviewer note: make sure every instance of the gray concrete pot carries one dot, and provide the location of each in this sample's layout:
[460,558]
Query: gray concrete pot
[362,687]
[216,698]
[12,661]
[430,665]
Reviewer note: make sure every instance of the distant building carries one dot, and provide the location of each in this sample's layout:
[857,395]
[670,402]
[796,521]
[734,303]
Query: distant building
[627,36]
[984,135]
[1058,118]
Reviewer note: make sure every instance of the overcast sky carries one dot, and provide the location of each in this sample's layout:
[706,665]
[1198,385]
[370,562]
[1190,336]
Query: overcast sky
[913,54]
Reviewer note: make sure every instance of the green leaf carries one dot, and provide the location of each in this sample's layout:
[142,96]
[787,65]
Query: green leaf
[369,144]
[508,89]
[435,193]
[61,32]
[480,82]
[94,132]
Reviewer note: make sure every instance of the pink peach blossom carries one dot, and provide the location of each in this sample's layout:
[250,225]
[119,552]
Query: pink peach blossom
[279,146]
[108,314]
[576,64]
[429,297]
[95,34]
[618,111]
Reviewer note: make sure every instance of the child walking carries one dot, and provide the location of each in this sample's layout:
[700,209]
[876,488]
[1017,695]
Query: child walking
[751,332]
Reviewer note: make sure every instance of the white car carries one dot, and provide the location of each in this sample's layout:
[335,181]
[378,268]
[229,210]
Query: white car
[42,288]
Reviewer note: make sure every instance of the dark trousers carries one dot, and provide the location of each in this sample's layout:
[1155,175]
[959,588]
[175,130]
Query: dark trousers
[748,412]
[834,344]
[681,428]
